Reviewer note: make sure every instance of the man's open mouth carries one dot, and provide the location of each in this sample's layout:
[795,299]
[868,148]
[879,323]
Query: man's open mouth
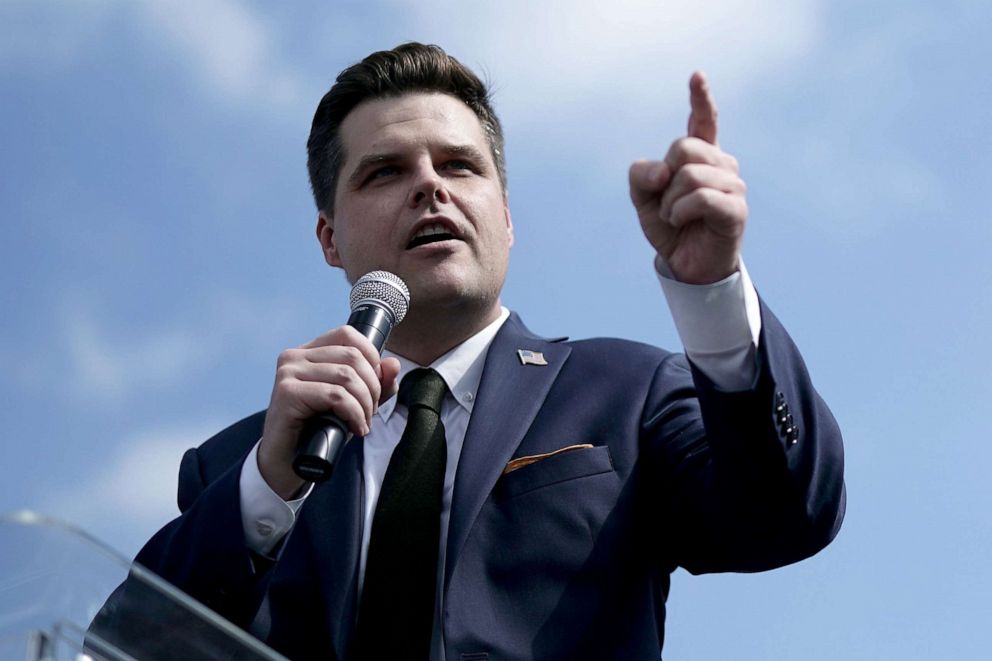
[430,234]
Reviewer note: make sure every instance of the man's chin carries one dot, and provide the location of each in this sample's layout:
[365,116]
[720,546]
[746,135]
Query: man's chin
[437,282]
[450,286]
[449,295]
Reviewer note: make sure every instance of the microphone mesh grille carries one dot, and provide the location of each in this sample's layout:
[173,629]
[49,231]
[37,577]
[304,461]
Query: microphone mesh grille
[382,288]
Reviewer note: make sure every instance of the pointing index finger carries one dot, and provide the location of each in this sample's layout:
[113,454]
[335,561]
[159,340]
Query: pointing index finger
[702,118]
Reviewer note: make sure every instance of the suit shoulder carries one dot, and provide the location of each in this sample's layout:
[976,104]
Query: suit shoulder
[609,358]
[202,465]
[229,445]
[612,349]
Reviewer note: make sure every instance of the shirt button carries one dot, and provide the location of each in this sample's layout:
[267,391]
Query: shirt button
[264,527]
[468,397]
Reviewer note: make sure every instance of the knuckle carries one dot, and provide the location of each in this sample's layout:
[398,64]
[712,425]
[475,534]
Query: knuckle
[703,199]
[693,175]
[349,332]
[339,372]
[344,374]
[332,338]
[335,398]
[679,147]
[282,387]
[287,391]
[350,355]
[343,404]
[285,373]
[711,197]
[340,332]
[697,145]
[287,357]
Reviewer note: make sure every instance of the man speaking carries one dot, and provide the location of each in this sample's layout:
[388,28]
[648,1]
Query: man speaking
[505,495]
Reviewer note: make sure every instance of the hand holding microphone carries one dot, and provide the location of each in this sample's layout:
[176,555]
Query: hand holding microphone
[328,389]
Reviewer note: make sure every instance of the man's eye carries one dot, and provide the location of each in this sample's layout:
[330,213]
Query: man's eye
[458,165]
[379,173]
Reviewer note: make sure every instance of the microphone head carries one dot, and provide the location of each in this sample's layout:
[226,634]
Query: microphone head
[384,289]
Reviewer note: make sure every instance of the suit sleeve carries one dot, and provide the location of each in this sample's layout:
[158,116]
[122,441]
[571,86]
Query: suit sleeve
[203,551]
[754,479]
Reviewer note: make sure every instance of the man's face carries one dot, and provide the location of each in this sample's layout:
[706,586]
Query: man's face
[419,195]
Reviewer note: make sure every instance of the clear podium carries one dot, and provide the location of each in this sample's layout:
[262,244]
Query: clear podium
[64,596]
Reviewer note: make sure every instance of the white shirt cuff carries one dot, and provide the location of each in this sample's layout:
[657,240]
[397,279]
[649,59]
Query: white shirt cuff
[265,516]
[719,325]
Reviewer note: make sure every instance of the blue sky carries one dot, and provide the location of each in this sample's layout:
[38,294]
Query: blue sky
[158,253]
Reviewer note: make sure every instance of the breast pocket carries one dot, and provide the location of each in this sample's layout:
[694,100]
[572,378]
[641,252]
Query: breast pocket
[554,469]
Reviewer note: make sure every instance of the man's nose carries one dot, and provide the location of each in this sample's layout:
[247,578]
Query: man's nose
[429,187]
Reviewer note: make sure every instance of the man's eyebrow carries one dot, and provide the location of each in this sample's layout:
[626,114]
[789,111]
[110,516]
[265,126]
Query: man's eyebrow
[469,151]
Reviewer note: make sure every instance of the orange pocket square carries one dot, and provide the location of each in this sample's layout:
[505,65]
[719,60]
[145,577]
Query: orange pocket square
[520,462]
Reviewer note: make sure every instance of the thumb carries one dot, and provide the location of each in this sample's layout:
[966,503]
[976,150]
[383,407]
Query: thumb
[390,371]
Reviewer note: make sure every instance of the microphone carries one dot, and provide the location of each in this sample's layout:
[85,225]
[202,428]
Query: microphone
[379,300]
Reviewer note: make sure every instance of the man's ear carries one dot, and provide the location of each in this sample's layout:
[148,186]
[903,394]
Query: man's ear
[325,234]
[509,220]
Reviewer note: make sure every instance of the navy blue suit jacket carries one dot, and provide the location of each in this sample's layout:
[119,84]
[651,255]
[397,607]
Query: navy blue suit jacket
[565,558]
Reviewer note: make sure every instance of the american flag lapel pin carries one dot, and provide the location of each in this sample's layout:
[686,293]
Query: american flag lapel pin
[528,357]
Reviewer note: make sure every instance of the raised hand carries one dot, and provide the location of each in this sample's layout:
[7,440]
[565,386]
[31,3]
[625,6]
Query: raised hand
[692,204]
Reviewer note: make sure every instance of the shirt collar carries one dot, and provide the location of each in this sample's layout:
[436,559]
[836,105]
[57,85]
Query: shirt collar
[461,368]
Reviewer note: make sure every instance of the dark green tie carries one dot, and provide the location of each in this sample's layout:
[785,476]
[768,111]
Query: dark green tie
[397,606]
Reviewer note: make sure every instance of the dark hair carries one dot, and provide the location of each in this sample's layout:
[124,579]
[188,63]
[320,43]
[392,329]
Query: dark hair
[410,67]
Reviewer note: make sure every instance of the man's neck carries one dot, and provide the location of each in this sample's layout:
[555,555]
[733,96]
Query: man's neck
[426,335]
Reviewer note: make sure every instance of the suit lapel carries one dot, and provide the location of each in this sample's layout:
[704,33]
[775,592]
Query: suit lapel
[509,398]
[335,532]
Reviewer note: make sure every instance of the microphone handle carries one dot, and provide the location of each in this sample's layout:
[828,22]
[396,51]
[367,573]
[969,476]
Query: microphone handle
[325,435]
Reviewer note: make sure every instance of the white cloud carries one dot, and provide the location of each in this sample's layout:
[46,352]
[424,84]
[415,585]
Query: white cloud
[222,44]
[856,166]
[107,367]
[134,493]
[605,53]
[231,50]
[542,53]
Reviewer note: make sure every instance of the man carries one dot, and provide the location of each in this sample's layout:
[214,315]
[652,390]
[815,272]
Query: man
[572,477]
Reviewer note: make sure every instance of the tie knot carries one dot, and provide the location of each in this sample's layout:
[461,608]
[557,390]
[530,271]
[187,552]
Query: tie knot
[422,387]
